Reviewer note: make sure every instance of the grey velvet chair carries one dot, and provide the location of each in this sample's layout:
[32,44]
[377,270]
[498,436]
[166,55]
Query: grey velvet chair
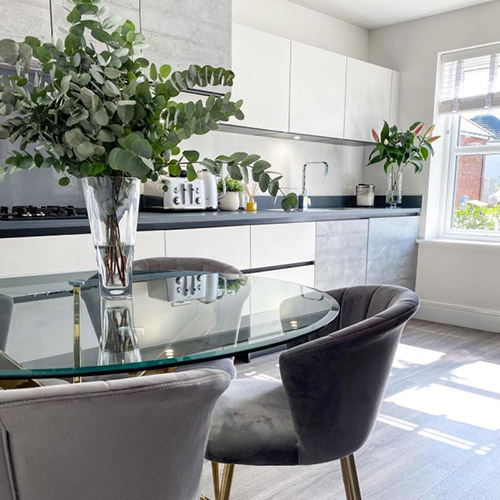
[331,391]
[164,264]
[130,439]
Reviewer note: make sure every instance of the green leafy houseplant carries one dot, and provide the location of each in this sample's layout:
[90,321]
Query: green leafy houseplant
[94,108]
[399,149]
[232,185]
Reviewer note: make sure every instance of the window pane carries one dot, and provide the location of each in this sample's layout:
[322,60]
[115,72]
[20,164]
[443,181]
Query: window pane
[479,128]
[476,204]
[475,82]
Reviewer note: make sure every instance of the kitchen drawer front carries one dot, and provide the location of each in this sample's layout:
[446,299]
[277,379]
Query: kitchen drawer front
[303,275]
[280,244]
[46,255]
[65,254]
[149,244]
[227,244]
[341,252]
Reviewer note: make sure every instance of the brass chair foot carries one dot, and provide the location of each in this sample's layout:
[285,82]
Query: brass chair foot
[350,477]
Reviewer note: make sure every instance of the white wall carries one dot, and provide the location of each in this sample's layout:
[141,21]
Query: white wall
[455,281]
[413,47]
[295,22]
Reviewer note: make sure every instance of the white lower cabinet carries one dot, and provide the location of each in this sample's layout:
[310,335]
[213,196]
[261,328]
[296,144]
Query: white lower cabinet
[227,244]
[149,244]
[281,244]
[303,275]
[65,253]
[46,255]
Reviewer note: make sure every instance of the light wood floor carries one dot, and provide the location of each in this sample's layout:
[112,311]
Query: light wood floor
[437,437]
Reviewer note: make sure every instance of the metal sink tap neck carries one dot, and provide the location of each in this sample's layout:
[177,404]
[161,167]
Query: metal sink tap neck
[305,198]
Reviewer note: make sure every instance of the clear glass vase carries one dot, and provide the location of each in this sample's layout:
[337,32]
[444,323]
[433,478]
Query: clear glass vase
[394,195]
[118,344]
[113,206]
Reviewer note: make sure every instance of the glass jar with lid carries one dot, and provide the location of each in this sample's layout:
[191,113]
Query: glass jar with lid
[365,195]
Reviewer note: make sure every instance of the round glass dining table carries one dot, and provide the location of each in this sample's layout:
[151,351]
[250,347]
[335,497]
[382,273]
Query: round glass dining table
[60,327]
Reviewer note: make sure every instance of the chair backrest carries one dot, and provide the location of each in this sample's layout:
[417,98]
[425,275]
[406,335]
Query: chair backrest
[161,264]
[119,440]
[6,305]
[92,299]
[335,384]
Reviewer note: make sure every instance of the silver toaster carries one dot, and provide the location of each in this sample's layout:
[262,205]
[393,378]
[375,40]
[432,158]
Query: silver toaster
[182,194]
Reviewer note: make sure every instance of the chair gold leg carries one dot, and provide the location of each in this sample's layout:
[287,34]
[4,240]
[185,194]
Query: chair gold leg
[350,477]
[215,478]
[227,480]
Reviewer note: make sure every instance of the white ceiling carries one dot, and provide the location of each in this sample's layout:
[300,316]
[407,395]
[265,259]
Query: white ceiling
[376,13]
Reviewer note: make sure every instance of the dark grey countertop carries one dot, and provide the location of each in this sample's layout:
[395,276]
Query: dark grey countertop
[157,221]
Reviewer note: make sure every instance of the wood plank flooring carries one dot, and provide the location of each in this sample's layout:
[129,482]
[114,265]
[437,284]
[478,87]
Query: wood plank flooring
[437,437]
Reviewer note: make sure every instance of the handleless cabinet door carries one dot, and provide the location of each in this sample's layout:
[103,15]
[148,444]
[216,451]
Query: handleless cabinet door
[281,244]
[368,99]
[392,251]
[303,275]
[261,62]
[341,250]
[227,244]
[65,253]
[46,255]
[395,88]
[317,94]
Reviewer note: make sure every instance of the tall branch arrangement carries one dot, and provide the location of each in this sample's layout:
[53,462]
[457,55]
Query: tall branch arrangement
[97,107]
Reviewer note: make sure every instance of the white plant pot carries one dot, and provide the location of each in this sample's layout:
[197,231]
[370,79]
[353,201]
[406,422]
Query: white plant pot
[230,201]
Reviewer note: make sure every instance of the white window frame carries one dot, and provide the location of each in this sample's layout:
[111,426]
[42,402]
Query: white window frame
[454,152]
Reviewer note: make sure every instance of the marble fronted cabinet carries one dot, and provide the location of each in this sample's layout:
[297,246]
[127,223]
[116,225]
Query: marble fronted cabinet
[367,251]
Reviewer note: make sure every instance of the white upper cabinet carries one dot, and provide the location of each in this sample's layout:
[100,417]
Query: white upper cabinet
[317,94]
[394,117]
[261,62]
[368,99]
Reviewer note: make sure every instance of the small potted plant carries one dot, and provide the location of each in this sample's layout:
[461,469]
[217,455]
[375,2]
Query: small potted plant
[399,149]
[231,198]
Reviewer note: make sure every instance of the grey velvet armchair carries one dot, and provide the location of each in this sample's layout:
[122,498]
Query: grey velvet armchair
[328,401]
[130,439]
[164,264]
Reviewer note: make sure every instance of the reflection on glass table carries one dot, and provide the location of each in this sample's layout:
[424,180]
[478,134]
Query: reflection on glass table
[174,318]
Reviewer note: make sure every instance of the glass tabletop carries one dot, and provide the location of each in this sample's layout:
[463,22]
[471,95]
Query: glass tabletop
[61,328]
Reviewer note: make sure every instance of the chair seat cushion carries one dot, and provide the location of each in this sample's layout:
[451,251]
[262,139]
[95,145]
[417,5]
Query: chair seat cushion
[252,425]
[225,364]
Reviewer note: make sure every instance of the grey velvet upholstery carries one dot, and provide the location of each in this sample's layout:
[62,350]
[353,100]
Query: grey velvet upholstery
[129,439]
[332,387]
[6,305]
[164,264]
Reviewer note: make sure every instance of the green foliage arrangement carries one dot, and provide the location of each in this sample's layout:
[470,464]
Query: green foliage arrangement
[399,149]
[97,107]
[470,216]
[232,185]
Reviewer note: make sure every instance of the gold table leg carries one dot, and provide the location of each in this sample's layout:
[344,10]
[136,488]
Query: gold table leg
[77,346]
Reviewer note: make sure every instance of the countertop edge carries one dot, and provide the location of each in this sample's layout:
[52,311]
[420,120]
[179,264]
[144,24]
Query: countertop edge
[149,221]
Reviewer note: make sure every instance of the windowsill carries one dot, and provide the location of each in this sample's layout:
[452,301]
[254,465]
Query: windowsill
[493,244]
